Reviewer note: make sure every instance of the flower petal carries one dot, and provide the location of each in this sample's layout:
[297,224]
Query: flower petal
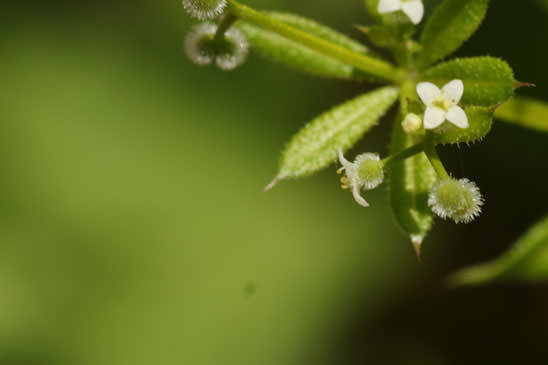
[344,162]
[453,91]
[428,92]
[458,117]
[414,9]
[358,198]
[388,6]
[433,117]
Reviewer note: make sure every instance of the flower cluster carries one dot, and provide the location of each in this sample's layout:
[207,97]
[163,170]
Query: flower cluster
[441,102]
[459,200]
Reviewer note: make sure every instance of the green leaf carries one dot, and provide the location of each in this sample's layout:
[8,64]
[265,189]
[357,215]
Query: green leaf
[526,261]
[481,121]
[451,24]
[394,36]
[487,80]
[410,182]
[302,58]
[388,36]
[524,112]
[315,146]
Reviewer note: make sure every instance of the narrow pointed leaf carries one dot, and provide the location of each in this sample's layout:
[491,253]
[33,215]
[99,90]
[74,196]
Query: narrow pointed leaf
[302,58]
[480,120]
[410,182]
[526,261]
[384,36]
[524,112]
[487,80]
[315,146]
[451,24]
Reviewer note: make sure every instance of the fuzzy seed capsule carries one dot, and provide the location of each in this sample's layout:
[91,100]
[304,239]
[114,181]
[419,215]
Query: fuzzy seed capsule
[204,9]
[459,200]
[232,56]
[199,44]
[369,170]
[203,48]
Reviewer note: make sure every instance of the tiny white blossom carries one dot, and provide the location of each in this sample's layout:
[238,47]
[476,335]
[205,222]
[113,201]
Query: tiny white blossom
[366,172]
[442,105]
[414,9]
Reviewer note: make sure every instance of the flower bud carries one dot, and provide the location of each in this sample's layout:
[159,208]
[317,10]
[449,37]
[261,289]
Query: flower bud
[459,200]
[412,123]
[203,48]
[204,9]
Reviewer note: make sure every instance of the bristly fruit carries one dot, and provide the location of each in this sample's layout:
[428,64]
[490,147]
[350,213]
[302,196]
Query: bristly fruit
[204,9]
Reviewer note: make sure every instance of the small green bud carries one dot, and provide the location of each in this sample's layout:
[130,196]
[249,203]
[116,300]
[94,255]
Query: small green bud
[203,48]
[459,200]
[204,9]
[412,123]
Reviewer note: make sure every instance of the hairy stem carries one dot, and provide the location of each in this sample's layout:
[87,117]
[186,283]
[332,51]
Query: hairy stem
[403,155]
[224,25]
[434,158]
[362,62]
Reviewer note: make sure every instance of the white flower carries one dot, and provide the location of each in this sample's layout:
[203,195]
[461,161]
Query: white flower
[414,9]
[441,105]
[366,172]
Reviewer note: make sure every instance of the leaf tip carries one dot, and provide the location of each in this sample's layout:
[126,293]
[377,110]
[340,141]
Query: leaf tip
[519,84]
[416,240]
[272,184]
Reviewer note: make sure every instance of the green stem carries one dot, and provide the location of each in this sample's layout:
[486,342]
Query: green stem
[434,158]
[224,25]
[363,62]
[405,154]
[406,94]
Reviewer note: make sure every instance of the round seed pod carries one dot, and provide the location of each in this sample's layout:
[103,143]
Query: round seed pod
[459,200]
[204,9]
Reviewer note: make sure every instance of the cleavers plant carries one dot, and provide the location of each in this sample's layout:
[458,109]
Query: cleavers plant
[451,102]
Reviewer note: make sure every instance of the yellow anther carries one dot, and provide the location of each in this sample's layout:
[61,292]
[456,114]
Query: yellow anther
[340,171]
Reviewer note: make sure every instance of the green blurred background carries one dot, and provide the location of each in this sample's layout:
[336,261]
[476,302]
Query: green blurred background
[133,229]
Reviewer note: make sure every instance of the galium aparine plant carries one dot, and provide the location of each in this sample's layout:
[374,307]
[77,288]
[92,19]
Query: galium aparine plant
[440,101]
